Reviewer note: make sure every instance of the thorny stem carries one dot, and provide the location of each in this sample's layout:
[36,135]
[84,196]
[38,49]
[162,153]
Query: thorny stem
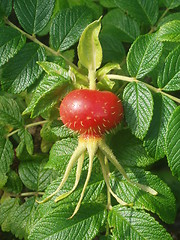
[154,89]
[27,126]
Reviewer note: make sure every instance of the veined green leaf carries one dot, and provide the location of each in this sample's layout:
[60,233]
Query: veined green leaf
[143,11]
[169,18]
[128,223]
[89,48]
[10,113]
[169,79]
[129,150]
[128,28]
[11,42]
[68,25]
[138,107]
[154,141]
[34,15]
[33,174]
[163,204]
[56,225]
[173,143]
[26,142]
[6,7]
[46,95]
[169,32]
[13,184]
[22,70]
[170,4]
[61,131]
[143,55]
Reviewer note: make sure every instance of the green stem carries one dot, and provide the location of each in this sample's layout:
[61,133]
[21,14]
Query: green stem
[154,89]
[92,79]
[27,126]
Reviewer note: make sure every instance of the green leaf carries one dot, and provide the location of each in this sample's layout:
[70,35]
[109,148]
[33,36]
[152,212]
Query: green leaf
[173,143]
[128,28]
[89,48]
[11,42]
[143,55]
[56,225]
[128,223]
[129,150]
[60,154]
[143,11]
[108,3]
[113,49]
[154,141]
[26,142]
[54,69]
[67,27]
[163,204]
[169,79]
[171,3]
[10,113]
[34,15]
[33,174]
[14,184]
[170,32]
[6,7]
[46,95]
[60,130]
[22,70]
[169,18]
[46,134]
[138,107]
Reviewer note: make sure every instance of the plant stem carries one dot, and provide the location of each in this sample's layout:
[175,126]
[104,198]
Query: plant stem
[27,126]
[92,79]
[154,89]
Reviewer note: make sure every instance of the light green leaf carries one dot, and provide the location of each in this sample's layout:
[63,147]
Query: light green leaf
[89,48]
[22,70]
[169,79]
[128,223]
[113,49]
[56,225]
[138,108]
[169,18]
[10,113]
[11,42]
[163,204]
[173,143]
[26,142]
[14,184]
[170,4]
[129,150]
[143,55]
[128,28]
[46,95]
[54,69]
[33,174]
[169,32]
[6,7]
[61,131]
[68,25]
[143,11]
[34,15]
[46,134]
[154,141]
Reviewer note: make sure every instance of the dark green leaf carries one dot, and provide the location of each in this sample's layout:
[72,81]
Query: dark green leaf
[60,130]
[10,113]
[169,79]
[143,11]
[171,3]
[163,204]
[169,18]
[26,142]
[14,184]
[173,142]
[22,70]
[170,31]
[6,7]
[108,3]
[56,225]
[128,29]
[128,223]
[34,15]
[143,55]
[11,42]
[138,107]
[67,27]
[129,150]
[46,95]
[33,174]
[154,141]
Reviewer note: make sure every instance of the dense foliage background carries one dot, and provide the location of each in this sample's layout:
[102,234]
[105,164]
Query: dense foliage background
[39,65]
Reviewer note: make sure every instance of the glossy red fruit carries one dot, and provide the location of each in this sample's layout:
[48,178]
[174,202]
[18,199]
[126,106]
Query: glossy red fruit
[91,112]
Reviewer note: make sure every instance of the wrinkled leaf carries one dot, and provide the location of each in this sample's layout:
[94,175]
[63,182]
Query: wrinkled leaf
[170,31]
